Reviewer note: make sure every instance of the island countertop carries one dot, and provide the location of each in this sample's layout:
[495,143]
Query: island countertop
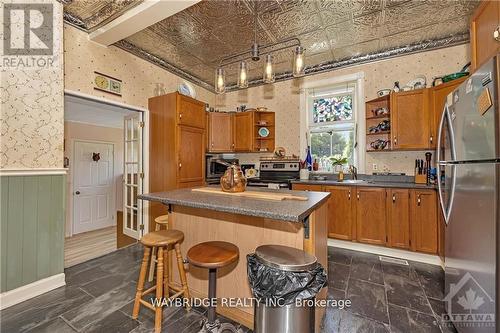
[285,210]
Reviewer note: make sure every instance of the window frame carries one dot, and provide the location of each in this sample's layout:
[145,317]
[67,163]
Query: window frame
[348,88]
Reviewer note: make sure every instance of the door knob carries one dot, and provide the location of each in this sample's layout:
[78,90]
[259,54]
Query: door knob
[496,34]
[77,192]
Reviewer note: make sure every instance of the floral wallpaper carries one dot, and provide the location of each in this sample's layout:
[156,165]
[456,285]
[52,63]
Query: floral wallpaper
[32,112]
[82,57]
[284,99]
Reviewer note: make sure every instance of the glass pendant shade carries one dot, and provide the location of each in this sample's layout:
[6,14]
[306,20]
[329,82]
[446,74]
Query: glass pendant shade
[268,76]
[243,75]
[299,61]
[220,80]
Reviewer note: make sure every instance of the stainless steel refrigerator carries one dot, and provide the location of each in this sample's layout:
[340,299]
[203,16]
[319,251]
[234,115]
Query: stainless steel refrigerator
[468,160]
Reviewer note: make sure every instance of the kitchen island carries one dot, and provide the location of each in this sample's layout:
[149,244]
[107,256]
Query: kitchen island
[247,223]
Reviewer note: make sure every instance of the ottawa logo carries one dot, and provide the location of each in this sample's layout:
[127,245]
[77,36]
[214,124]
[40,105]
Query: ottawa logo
[469,305]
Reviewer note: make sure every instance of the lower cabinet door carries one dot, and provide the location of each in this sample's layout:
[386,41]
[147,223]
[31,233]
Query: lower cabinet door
[398,218]
[371,215]
[341,212]
[424,218]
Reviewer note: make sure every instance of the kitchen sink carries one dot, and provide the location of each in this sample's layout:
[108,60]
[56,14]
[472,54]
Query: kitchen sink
[354,181]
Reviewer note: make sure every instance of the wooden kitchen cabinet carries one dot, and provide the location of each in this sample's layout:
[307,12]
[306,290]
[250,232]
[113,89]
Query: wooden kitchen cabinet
[437,99]
[177,143]
[371,215]
[484,23]
[243,136]
[220,132]
[307,187]
[398,218]
[410,120]
[423,221]
[341,212]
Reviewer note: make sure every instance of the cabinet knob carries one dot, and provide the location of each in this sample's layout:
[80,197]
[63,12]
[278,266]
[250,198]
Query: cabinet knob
[395,140]
[394,198]
[357,195]
[431,139]
[212,144]
[496,34]
[418,200]
[180,116]
[349,196]
[180,165]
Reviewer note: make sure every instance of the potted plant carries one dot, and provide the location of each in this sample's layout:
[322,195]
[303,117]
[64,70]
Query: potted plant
[338,162]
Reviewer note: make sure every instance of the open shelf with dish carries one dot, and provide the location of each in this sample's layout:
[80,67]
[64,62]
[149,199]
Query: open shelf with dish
[264,131]
[378,124]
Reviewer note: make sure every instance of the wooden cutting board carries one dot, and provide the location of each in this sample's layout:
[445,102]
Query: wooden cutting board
[252,194]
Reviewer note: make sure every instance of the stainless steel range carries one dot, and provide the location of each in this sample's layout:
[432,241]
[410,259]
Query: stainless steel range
[276,173]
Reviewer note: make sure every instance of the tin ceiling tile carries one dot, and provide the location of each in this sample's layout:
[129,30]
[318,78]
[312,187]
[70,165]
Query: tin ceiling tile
[315,42]
[357,30]
[95,13]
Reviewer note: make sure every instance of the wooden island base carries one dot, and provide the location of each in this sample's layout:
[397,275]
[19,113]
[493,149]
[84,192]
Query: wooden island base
[247,233]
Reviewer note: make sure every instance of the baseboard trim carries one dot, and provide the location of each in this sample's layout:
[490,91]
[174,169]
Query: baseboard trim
[33,172]
[31,290]
[389,252]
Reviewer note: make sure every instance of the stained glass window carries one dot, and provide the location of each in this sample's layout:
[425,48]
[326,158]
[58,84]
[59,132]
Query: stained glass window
[330,109]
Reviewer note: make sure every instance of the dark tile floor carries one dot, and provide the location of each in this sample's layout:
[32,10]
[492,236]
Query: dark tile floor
[99,297]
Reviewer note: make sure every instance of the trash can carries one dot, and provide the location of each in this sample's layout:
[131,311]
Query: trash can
[280,278]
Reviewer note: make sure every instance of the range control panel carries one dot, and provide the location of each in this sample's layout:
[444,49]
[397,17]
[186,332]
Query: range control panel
[291,165]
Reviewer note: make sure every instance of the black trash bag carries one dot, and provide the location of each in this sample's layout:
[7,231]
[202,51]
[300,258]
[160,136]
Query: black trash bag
[270,283]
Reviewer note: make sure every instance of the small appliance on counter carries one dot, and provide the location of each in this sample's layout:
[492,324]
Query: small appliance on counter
[215,169]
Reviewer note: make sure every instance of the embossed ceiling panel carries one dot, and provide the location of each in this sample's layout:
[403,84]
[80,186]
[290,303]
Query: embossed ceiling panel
[93,13]
[334,32]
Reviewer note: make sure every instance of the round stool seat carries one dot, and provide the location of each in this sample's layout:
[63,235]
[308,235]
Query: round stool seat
[163,220]
[213,254]
[162,238]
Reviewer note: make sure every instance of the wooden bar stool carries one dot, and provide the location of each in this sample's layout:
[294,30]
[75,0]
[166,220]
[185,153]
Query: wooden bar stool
[162,240]
[212,255]
[160,221]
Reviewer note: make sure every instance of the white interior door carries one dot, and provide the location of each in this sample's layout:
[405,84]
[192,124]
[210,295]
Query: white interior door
[93,186]
[133,175]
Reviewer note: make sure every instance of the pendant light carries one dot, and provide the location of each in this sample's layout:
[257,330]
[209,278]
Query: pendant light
[268,76]
[220,80]
[243,75]
[298,62]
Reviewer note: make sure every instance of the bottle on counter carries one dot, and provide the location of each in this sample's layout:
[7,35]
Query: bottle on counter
[308,158]
[315,165]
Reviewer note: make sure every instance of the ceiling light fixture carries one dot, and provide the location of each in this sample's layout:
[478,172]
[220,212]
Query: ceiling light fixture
[243,75]
[255,51]
[269,70]
[298,62]
[220,80]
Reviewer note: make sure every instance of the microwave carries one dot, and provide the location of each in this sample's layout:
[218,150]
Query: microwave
[215,169]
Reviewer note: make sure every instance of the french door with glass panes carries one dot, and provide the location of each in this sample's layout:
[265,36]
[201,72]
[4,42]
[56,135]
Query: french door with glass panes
[133,177]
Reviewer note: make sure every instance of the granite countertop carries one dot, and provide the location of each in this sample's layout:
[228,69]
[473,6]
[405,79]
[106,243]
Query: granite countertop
[366,183]
[285,210]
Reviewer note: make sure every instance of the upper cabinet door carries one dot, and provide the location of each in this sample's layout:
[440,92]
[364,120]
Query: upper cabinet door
[371,215]
[190,112]
[484,23]
[410,119]
[220,129]
[243,134]
[191,154]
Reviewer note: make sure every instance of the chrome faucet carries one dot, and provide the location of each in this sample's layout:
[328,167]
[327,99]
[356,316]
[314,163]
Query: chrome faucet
[353,171]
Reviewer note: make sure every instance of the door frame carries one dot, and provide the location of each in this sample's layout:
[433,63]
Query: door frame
[72,186]
[145,142]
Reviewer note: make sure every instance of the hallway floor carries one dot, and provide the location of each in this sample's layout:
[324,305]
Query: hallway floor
[89,245]
[99,297]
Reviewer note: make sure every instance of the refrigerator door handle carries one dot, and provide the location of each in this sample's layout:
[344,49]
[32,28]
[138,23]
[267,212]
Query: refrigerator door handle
[445,118]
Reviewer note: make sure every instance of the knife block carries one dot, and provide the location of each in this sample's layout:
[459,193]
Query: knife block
[420,179]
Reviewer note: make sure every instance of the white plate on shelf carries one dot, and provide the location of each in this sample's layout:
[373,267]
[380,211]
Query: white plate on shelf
[263,132]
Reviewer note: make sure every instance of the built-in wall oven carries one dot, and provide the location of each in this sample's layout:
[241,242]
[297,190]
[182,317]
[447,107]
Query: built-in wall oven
[215,169]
